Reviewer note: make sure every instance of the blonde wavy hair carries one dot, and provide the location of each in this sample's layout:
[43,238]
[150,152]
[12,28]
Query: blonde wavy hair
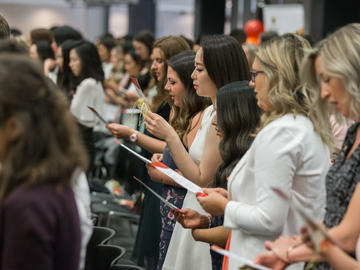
[281,60]
[340,55]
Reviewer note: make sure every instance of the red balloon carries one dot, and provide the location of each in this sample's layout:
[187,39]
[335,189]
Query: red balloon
[253,28]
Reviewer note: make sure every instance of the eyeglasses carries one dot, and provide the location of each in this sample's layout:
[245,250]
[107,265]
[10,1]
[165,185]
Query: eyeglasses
[254,73]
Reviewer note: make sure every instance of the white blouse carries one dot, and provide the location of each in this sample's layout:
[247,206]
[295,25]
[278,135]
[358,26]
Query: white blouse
[287,154]
[184,252]
[88,93]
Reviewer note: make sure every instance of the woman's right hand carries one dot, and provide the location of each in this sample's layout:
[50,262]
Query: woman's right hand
[190,219]
[157,157]
[119,131]
[270,260]
[305,236]
[154,174]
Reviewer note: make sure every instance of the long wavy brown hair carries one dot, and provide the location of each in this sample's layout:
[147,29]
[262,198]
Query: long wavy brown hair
[46,146]
[169,46]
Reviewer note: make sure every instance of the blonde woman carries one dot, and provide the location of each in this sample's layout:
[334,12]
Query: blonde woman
[333,68]
[290,152]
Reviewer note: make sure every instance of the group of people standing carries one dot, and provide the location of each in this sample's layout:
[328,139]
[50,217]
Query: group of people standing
[236,130]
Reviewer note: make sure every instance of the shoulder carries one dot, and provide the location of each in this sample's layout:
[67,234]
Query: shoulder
[39,199]
[209,111]
[195,121]
[294,124]
[90,82]
[286,129]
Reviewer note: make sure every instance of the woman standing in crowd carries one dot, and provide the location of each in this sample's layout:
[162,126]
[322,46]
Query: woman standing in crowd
[333,68]
[219,61]
[66,79]
[146,250]
[86,67]
[43,52]
[104,46]
[290,152]
[185,118]
[143,45]
[237,119]
[40,151]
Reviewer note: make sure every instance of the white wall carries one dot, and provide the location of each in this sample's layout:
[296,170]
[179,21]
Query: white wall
[119,20]
[89,21]
[27,17]
[172,16]
[175,17]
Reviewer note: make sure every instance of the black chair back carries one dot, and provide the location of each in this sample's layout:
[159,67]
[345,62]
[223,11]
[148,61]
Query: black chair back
[107,255]
[100,236]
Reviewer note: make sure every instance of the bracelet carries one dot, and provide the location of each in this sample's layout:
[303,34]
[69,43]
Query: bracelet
[324,246]
[289,249]
[209,217]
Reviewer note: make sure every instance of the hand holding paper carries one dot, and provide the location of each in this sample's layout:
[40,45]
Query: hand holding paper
[214,203]
[159,127]
[190,219]
[181,180]
[119,131]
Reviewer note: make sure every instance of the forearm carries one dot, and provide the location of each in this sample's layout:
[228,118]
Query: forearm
[150,144]
[164,179]
[346,234]
[340,259]
[217,235]
[183,160]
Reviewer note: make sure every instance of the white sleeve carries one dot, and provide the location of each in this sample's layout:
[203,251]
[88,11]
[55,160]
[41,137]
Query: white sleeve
[86,95]
[82,199]
[276,154]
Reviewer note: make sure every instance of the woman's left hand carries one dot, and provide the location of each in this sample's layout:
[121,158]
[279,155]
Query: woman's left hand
[214,203]
[158,126]
[281,245]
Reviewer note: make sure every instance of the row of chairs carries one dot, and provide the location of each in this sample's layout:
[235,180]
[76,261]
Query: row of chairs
[100,254]
[103,256]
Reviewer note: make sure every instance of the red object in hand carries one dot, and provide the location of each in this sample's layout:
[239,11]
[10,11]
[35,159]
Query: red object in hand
[200,194]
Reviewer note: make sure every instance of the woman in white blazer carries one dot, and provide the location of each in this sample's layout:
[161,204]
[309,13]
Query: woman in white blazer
[290,152]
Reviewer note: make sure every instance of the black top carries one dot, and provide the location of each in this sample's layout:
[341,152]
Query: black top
[146,248]
[341,182]
[40,229]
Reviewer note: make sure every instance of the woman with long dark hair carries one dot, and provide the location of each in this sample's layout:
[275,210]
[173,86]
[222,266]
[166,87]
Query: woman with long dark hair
[149,228]
[237,118]
[89,76]
[187,109]
[39,151]
[220,61]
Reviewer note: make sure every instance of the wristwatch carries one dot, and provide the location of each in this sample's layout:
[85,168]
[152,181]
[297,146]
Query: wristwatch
[133,137]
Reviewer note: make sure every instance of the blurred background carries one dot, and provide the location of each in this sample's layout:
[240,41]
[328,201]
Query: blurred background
[190,18]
